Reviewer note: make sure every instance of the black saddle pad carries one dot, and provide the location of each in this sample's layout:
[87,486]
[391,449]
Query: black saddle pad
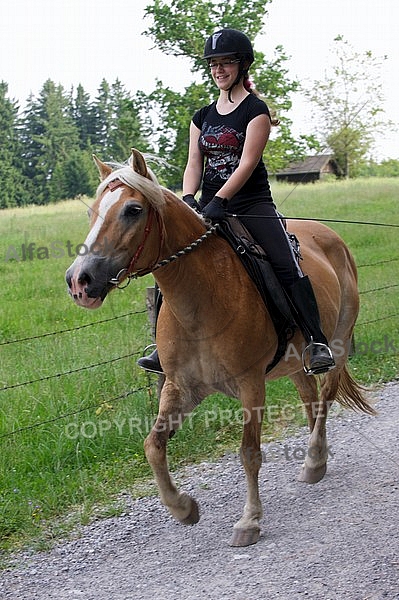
[255,261]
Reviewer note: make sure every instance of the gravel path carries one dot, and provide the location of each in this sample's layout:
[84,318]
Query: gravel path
[337,540]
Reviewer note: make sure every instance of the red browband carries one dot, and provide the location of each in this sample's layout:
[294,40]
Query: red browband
[114,184]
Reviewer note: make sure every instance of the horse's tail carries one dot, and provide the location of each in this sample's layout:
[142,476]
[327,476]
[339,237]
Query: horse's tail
[351,395]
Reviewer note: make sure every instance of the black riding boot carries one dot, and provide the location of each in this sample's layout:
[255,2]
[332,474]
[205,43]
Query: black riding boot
[317,356]
[151,362]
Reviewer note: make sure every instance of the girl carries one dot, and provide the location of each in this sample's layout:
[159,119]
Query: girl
[227,140]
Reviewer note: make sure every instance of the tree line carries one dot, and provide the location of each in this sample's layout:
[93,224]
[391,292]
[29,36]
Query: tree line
[46,149]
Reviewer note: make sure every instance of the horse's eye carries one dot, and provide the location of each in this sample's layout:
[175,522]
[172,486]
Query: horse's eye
[131,210]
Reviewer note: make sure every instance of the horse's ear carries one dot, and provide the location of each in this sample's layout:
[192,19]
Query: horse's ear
[138,163]
[104,169]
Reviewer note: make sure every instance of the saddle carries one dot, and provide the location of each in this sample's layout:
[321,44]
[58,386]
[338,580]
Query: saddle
[257,265]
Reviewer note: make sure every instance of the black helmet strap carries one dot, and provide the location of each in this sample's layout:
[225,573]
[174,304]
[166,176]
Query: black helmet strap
[242,71]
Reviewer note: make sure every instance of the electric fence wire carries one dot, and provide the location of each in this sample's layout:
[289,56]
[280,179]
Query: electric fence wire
[131,392]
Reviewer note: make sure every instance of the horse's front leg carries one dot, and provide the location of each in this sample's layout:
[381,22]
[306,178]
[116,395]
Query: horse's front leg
[247,530]
[170,417]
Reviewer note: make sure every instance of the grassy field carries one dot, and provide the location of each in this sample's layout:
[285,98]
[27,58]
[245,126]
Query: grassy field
[74,408]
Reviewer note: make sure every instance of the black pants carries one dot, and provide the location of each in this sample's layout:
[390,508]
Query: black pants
[268,230]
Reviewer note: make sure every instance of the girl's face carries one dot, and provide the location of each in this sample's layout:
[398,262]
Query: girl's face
[224,70]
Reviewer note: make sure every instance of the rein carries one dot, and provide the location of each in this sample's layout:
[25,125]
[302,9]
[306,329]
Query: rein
[186,249]
[158,265]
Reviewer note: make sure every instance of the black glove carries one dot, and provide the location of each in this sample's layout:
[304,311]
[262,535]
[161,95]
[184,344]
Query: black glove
[191,201]
[215,210]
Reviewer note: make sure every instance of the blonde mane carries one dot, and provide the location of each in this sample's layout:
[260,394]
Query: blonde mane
[150,188]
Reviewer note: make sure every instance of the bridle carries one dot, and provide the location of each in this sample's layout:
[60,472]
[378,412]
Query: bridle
[130,272]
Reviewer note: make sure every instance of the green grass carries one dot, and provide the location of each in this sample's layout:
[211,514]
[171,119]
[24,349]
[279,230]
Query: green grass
[73,442]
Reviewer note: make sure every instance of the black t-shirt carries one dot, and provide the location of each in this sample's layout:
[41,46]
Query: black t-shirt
[221,142]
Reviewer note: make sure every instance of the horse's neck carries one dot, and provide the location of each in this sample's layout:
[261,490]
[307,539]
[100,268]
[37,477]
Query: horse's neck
[181,227]
[194,291]
[189,280]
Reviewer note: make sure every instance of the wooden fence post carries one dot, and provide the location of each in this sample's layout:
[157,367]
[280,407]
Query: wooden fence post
[150,303]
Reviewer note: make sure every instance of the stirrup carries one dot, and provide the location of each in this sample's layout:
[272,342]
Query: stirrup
[326,364]
[147,364]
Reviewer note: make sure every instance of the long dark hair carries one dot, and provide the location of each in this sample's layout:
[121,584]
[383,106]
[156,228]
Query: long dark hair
[250,87]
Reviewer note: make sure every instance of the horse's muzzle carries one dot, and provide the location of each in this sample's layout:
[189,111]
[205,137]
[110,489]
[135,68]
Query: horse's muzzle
[89,283]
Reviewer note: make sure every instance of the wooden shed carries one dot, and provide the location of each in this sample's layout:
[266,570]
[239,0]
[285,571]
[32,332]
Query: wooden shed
[311,169]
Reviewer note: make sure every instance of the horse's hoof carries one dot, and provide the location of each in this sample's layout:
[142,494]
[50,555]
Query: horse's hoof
[244,537]
[308,475]
[194,516]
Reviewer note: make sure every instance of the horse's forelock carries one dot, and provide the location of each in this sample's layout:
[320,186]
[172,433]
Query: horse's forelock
[150,188]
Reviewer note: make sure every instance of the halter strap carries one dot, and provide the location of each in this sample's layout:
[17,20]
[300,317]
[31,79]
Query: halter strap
[113,185]
[147,231]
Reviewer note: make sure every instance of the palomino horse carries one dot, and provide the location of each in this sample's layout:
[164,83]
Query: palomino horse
[214,332]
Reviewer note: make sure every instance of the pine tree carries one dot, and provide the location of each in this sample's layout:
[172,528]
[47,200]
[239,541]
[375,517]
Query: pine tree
[50,136]
[14,187]
[101,112]
[83,117]
[127,129]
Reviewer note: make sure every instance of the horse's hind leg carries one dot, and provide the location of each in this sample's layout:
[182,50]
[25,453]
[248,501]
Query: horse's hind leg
[247,530]
[317,406]
[170,417]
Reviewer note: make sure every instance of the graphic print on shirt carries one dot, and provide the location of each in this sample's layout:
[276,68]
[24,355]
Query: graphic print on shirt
[222,146]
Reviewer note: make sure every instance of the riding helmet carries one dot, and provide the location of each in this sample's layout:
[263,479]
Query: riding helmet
[228,41]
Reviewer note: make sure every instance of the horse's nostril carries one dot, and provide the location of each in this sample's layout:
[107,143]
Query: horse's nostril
[84,277]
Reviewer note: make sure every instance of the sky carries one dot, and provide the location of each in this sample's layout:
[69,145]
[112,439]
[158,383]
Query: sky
[84,41]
